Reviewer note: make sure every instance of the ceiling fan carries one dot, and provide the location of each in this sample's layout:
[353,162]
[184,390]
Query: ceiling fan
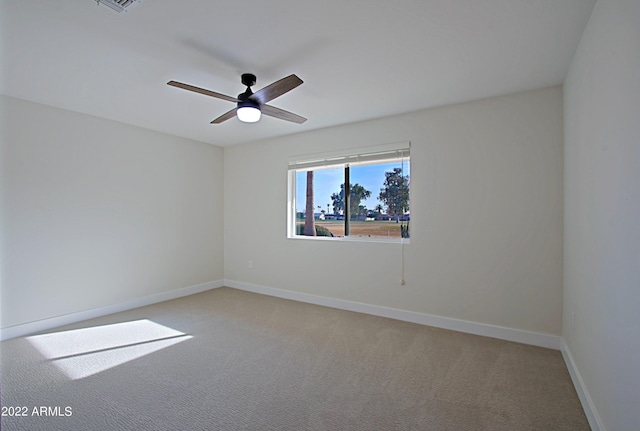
[250,105]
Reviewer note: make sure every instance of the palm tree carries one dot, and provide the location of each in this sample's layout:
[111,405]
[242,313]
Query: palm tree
[309,222]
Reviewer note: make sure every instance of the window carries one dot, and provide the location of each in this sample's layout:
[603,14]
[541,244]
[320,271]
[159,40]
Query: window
[361,194]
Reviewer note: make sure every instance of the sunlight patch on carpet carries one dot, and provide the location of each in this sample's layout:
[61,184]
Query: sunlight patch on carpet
[80,353]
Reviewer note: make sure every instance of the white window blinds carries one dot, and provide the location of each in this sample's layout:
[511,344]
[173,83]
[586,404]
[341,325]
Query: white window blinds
[353,157]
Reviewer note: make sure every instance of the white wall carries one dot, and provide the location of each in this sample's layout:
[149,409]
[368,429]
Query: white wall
[602,212]
[96,212]
[486,215]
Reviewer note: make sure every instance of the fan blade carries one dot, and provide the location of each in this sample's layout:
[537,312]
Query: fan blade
[272,111]
[276,89]
[225,116]
[202,91]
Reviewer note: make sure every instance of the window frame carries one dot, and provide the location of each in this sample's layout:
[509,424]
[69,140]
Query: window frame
[347,158]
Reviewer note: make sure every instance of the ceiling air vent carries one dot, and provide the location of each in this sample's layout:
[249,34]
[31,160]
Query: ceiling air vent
[119,5]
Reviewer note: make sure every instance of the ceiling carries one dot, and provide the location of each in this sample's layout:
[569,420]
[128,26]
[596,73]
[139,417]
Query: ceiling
[359,59]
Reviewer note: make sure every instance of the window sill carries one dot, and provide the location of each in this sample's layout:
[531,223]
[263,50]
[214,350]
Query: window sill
[352,239]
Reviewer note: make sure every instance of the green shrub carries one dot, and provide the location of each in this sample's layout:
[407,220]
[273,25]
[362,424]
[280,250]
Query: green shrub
[404,230]
[320,230]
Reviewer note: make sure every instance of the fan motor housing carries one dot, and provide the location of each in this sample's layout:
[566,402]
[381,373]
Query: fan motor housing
[245,102]
[248,79]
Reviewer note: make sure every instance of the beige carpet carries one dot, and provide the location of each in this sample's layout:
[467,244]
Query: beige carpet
[231,360]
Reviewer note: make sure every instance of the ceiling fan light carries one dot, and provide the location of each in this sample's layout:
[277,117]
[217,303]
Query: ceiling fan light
[248,114]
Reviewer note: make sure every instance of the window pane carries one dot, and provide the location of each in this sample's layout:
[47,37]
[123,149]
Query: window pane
[326,217]
[380,200]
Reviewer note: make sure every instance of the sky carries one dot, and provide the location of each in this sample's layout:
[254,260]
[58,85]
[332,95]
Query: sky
[328,181]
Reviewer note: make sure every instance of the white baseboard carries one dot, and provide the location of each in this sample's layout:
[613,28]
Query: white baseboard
[517,335]
[585,399]
[67,319]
